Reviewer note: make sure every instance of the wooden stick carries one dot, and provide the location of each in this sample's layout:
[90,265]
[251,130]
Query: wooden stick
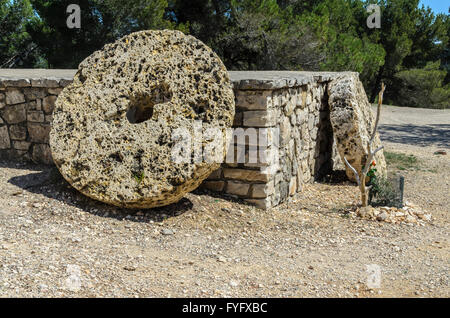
[354,170]
[370,158]
[380,101]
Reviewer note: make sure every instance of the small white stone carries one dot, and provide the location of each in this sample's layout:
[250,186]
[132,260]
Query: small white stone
[167,232]
[221,259]
[234,283]
[410,219]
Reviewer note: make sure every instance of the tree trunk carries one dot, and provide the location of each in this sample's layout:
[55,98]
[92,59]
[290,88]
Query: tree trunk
[374,93]
[364,194]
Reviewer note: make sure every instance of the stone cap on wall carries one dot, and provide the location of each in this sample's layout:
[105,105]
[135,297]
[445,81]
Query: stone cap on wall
[244,80]
[261,80]
[17,77]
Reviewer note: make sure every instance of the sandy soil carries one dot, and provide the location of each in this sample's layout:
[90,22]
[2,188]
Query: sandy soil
[55,242]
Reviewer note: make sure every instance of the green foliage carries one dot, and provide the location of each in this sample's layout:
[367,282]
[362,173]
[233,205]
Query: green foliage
[139,176]
[424,87]
[204,19]
[410,37]
[401,161]
[329,35]
[262,36]
[16,46]
[337,24]
[102,21]
[384,193]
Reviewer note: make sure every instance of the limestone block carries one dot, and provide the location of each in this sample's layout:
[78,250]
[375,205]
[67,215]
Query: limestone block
[245,175]
[259,203]
[260,157]
[263,190]
[36,116]
[33,93]
[215,175]
[21,145]
[14,114]
[42,154]
[237,188]
[5,142]
[48,103]
[216,186]
[44,82]
[32,105]
[254,100]
[21,82]
[259,118]
[285,131]
[17,132]
[55,91]
[14,96]
[2,100]
[293,186]
[38,132]
[353,122]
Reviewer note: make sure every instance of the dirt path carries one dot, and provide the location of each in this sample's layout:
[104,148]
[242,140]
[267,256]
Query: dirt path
[416,126]
[55,242]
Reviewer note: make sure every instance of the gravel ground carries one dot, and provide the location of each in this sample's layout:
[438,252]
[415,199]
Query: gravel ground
[54,242]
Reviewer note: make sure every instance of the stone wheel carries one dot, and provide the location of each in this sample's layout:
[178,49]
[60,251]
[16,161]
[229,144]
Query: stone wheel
[112,131]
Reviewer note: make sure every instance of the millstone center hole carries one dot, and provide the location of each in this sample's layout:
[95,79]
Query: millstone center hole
[142,104]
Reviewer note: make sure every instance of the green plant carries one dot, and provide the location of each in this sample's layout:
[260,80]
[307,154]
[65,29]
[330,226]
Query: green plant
[369,167]
[383,193]
[139,176]
[401,161]
[424,87]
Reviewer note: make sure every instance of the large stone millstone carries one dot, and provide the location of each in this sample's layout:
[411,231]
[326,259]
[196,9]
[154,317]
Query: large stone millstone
[353,122]
[111,135]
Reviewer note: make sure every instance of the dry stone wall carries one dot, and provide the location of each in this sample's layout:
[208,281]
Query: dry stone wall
[26,106]
[289,111]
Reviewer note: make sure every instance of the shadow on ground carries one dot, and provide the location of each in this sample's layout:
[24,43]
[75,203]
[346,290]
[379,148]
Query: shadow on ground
[436,134]
[47,180]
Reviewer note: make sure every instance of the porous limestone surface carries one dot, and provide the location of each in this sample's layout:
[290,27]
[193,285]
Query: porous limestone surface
[353,122]
[112,129]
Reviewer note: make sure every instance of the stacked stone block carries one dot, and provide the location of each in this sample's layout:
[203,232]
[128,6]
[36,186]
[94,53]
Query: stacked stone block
[298,118]
[26,107]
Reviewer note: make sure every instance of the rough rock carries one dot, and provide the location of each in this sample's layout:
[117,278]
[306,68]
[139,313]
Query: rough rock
[41,153]
[14,96]
[14,114]
[112,129]
[366,212]
[5,142]
[353,122]
[409,214]
[382,216]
